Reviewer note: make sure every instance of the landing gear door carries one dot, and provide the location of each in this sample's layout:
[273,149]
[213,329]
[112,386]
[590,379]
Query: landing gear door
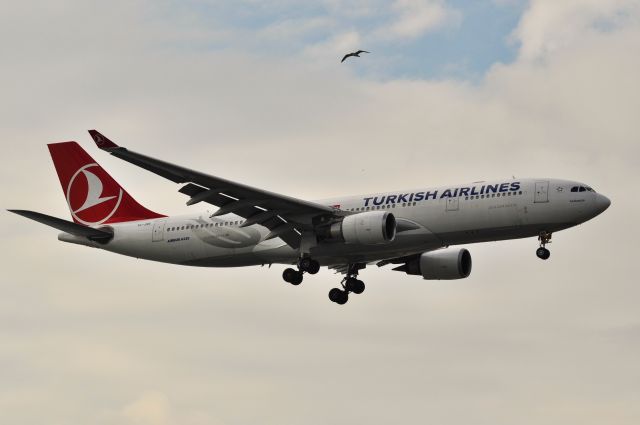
[452,204]
[542,192]
[158,230]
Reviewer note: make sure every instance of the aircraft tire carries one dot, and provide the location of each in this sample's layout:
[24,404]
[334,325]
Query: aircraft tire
[543,253]
[338,296]
[292,276]
[309,265]
[354,285]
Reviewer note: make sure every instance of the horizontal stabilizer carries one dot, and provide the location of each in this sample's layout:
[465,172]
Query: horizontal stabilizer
[66,226]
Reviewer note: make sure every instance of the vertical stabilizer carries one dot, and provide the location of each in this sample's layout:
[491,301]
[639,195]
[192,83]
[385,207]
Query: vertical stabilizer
[93,196]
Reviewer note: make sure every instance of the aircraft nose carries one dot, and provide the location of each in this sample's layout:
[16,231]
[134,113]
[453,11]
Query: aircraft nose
[602,203]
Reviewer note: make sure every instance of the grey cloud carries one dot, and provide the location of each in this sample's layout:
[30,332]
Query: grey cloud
[91,337]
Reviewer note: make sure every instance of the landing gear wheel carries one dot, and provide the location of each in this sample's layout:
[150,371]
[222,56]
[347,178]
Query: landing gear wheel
[543,253]
[338,296]
[309,265]
[292,276]
[354,285]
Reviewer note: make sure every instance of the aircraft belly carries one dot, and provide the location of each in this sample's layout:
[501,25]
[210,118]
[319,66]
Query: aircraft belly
[405,243]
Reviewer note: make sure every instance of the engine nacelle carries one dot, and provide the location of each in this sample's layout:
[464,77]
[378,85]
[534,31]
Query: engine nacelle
[367,228]
[446,264]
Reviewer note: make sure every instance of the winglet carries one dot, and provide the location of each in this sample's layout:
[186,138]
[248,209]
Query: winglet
[102,142]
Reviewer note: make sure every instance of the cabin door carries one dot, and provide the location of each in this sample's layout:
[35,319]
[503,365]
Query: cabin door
[158,230]
[542,192]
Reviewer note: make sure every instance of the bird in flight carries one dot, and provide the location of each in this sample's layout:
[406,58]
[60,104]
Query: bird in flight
[356,54]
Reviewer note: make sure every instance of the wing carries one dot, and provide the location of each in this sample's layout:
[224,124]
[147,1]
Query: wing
[362,51]
[284,216]
[346,56]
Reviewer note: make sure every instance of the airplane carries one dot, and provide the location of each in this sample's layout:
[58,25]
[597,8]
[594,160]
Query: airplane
[413,230]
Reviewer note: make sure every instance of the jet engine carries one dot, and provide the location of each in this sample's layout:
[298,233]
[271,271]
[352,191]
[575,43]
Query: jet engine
[367,228]
[446,264]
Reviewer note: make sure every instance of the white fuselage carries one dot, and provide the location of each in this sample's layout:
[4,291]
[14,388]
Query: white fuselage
[427,219]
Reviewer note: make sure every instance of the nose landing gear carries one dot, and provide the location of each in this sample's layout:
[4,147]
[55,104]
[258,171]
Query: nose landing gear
[543,253]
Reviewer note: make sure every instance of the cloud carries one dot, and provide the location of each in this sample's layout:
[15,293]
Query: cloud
[549,26]
[336,46]
[416,17]
[290,28]
[152,408]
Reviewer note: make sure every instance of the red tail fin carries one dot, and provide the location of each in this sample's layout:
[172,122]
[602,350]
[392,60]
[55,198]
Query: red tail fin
[93,196]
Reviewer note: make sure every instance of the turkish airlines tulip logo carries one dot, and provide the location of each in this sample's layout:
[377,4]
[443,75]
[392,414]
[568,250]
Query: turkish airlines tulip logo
[89,201]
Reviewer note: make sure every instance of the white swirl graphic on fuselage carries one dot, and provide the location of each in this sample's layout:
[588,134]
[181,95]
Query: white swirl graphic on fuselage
[94,195]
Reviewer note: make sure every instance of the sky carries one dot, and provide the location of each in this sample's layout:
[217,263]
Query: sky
[254,91]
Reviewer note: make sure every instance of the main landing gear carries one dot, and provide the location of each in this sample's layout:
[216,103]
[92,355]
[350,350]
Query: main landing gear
[305,265]
[543,253]
[349,284]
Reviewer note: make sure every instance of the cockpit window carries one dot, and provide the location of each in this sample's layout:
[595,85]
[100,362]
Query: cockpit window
[582,189]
